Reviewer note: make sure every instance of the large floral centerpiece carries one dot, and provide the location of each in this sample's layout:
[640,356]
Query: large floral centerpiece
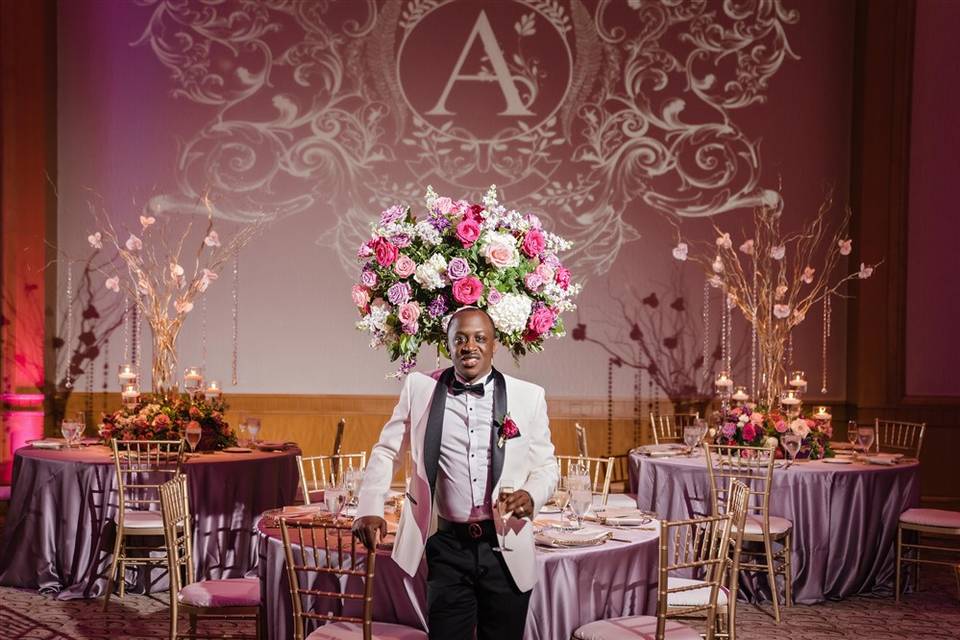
[748,426]
[167,416]
[416,272]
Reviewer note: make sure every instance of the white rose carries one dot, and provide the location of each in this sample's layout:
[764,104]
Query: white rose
[799,427]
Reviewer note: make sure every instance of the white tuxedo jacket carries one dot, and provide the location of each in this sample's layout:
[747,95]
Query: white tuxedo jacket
[528,464]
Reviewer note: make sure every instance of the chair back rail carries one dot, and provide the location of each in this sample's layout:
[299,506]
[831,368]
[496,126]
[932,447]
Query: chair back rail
[899,436]
[600,471]
[320,472]
[177,527]
[751,466]
[669,428]
[141,466]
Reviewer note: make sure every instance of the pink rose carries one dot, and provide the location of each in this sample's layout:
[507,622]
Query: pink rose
[408,313]
[494,297]
[443,205]
[533,281]
[467,290]
[368,278]
[468,231]
[749,432]
[534,243]
[386,253]
[780,426]
[360,295]
[542,320]
[563,277]
[404,266]
[546,272]
[756,418]
[500,254]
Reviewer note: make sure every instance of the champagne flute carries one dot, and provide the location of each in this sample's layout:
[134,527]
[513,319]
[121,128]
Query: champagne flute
[505,492]
[852,432]
[791,444]
[193,435]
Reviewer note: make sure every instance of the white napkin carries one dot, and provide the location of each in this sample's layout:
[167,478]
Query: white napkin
[47,444]
[550,537]
[665,449]
[884,458]
[615,516]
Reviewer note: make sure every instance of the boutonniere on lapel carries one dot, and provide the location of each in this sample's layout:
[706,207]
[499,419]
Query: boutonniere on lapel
[507,431]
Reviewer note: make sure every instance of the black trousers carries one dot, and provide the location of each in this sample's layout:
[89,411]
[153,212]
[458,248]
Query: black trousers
[469,588]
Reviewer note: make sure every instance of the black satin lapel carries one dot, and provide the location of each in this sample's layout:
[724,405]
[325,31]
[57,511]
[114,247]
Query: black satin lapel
[434,432]
[499,413]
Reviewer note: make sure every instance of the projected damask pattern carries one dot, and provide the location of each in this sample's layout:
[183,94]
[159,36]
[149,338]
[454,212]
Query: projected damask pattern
[592,114]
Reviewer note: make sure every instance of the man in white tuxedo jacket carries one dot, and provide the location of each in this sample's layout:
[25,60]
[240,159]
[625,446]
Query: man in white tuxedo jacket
[480,568]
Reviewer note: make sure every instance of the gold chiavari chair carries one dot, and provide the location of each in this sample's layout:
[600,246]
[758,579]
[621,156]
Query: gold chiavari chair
[934,522]
[600,471]
[331,581]
[899,437]
[736,504]
[670,428]
[140,466]
[753,466]
[319,472]
[699,546]
[235,598]
[581,440]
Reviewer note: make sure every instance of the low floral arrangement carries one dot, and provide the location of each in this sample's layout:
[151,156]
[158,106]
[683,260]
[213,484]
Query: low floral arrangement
[166,417]
[754,427]
[416,273]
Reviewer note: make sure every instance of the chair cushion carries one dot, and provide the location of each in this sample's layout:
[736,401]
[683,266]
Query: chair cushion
[621,501]
[634,627]
[932,518]
[142,520]
[230,592]
[354,631]
[693,597]
[778,525]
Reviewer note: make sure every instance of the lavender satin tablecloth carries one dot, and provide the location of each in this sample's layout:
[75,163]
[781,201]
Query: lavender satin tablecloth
[575,586]
[60,522]
[844,518]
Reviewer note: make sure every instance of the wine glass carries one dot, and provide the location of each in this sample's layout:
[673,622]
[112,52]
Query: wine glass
[865,437]
[691,436]
[852,432]
[561,497]
[352,479]
[791,444]
[335,498]
[253,428]
[193,434]
[505,492]
[581,499]
[69,430]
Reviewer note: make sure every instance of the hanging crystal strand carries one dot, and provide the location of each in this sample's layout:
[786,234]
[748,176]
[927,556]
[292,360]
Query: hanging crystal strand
[707,373]
[827,313]
[236,312]
[135,334]
[728,308]
[203,331]
[723,332]
[106,374]
[609,405]
[790,349]
[637,407]
[125,319]
[88,401]
[753,341]
[68,343]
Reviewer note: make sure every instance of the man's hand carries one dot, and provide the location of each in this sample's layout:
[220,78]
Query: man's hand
[369,529]
[520,504]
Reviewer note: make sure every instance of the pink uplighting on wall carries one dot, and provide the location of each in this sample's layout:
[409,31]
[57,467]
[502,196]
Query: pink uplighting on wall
[21,419]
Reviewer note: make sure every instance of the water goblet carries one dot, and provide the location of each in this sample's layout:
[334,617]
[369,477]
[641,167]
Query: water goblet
[561,497]
[581,499]
[253,427]
[193,435]
[335,499]
[69,430]
[791,444]
[81,421]
[691,436]
[865,437]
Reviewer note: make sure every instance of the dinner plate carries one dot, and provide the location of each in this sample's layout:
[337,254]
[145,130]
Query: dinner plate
[837,460]
[550,508]
[238,450]
[562,538]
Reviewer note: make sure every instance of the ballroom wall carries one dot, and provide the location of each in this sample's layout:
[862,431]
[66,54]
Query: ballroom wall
[145,125]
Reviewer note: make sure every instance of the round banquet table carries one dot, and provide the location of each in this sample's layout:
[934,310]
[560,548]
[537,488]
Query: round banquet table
[844,518]
[575,586]
[60,522]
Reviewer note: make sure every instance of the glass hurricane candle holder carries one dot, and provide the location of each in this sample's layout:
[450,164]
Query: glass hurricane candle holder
[798,381]
[127,374]
[130,395]
[790,400]
[723,382]
[740,394]
[213,390]
[192,379]
[821,413]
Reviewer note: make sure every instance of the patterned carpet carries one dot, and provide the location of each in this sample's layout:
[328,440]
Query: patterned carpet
[931,614]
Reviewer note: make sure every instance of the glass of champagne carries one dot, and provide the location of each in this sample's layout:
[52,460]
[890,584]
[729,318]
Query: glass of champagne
[852,432]
[791,444]
[505,492]
[193,435]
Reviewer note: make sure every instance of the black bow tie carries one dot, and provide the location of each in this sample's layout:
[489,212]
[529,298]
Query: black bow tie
[458,388]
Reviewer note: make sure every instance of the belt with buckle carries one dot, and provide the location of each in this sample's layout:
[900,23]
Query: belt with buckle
[474,531]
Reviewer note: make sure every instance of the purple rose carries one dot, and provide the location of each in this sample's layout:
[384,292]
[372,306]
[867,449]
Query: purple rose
[494,297]
[533,281]
[728,429]
[437,307]
[458,268]
[401,240]
[399,293]
[394,214]
[368,278]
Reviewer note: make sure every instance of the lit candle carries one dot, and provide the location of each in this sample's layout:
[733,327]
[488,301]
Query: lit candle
[798,380]
[192,378]
[789,398]
[822,413]
[740,394]
[126,373]
[130,394]
[723,381]
[213,390]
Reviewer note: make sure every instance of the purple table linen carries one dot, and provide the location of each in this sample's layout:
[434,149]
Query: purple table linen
[575,586]
[60,523]
[844,518]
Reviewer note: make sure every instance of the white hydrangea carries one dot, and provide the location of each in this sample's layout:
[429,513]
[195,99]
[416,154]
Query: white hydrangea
[511,313]
[426,232]
[376,320]
[396,228]
[430,274]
